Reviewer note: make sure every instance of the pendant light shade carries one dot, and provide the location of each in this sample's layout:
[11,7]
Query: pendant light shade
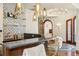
[18,7]
[44,12]
[39,12]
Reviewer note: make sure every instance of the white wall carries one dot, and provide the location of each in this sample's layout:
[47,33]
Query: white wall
[31,26]
[1,22]
[27,14]
[77,30]
[61,18]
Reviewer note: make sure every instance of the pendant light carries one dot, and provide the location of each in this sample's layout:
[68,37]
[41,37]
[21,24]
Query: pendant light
[39,12]
[44,12]
[17,11]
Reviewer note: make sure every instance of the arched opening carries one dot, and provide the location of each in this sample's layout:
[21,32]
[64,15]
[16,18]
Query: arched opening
[48,28]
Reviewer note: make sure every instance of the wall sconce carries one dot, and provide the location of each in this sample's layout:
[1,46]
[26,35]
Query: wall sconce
[17,11]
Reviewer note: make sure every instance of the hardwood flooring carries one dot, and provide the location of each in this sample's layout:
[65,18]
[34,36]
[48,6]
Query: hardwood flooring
[62,53]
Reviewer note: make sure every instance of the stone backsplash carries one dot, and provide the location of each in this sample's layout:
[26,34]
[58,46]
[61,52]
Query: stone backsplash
[13,26]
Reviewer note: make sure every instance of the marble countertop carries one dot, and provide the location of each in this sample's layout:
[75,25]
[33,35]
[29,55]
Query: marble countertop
[16,44]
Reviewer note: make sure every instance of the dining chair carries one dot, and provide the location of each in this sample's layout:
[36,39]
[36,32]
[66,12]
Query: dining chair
[55,46]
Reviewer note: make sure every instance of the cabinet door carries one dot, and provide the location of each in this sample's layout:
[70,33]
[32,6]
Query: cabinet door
[12,52]
[16,52]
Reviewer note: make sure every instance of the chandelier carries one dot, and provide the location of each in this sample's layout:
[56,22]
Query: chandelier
[39,12]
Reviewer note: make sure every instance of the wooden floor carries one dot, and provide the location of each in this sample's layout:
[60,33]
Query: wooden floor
[52,53]
[60,53]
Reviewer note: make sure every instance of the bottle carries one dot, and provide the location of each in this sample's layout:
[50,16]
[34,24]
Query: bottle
[15,37]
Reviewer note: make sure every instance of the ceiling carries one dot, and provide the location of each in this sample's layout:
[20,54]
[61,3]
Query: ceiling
[11,6]
[52,5]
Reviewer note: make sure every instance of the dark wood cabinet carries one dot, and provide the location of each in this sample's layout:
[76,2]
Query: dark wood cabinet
[18,51]
[13,52]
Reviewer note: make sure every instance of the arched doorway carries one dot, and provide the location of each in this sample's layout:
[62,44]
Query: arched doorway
[48,28]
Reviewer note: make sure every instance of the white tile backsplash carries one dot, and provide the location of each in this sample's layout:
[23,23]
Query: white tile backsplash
[14,26]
